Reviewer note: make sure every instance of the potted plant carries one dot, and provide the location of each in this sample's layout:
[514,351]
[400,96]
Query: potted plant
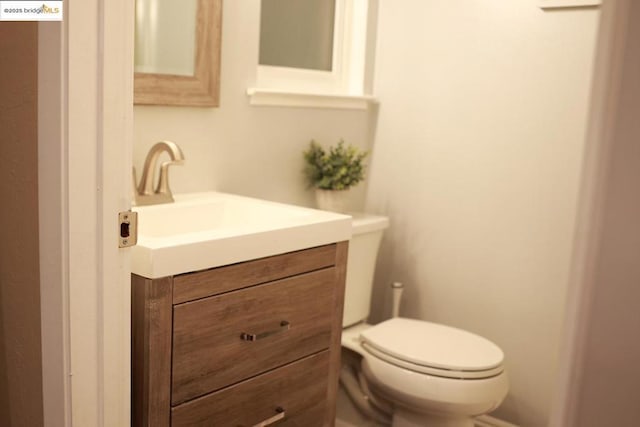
[333,173]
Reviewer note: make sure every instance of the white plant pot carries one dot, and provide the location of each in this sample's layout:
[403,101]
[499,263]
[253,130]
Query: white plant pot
[333,200]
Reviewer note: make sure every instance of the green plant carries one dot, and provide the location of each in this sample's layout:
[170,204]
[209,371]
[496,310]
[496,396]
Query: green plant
[338,169]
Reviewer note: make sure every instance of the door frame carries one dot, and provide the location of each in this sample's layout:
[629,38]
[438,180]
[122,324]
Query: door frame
[85,138]
[590,256]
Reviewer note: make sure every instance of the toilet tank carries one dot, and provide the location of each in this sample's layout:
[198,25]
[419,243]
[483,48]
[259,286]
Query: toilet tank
[361,263]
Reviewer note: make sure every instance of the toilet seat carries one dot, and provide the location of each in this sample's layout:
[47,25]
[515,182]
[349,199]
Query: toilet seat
[433,349]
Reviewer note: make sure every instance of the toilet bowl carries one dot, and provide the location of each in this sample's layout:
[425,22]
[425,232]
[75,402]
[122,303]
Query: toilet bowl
[421,373]
[432,374]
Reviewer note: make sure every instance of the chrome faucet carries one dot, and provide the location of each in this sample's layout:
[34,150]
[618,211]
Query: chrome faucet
[145,194]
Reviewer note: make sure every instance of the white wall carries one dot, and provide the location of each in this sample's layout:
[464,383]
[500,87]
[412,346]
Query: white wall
[237,148]
[477,161]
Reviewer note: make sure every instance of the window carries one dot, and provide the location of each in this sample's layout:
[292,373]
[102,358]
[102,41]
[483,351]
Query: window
[297,34]
[312,52]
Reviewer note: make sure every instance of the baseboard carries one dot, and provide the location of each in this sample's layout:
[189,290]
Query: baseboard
[489,421]
[481,421]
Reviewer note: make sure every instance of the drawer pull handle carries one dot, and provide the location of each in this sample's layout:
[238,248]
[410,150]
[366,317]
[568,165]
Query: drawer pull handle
[277,417]
[284,326]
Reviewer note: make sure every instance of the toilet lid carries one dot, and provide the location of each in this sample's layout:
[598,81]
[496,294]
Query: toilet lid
[425,344]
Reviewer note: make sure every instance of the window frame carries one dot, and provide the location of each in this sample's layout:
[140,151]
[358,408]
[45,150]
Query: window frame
[344,84]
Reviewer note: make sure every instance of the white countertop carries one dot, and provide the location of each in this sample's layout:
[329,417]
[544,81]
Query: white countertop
[205,230]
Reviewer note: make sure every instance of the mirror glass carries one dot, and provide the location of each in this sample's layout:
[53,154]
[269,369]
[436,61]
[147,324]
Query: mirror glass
[297,34]
[165,37]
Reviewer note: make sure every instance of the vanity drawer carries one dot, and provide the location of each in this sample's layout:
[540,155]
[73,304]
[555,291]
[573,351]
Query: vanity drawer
[224,339]
[202,284]
[298,389]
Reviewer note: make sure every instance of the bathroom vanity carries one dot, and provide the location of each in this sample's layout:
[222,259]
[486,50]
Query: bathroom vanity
[248,343]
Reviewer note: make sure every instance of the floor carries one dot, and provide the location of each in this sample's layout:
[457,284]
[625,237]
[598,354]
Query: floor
[348,416]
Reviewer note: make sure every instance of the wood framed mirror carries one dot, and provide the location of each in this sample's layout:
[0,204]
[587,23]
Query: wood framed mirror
[169,34]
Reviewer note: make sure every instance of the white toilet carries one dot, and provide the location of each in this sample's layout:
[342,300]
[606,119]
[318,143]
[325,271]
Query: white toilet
[413,372]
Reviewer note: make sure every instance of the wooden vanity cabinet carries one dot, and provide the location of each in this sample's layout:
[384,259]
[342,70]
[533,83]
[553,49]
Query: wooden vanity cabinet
[253,343]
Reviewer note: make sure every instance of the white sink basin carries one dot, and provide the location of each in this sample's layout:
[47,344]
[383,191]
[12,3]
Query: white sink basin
[205,230]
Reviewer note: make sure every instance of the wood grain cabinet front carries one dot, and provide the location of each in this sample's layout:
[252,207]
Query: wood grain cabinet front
[294,395]
[227,338]
[255,343]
